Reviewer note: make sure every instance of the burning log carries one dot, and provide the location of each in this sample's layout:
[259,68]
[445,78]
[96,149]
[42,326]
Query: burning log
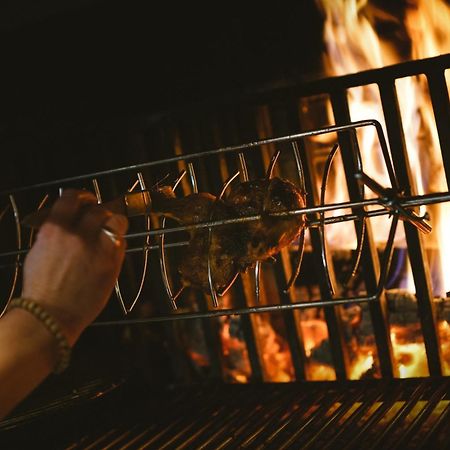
[402,306]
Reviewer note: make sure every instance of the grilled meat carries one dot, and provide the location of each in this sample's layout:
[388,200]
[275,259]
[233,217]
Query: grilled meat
[233,248]
[264,238]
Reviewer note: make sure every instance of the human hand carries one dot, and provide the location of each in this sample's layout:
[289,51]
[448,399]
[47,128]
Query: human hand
[73,264]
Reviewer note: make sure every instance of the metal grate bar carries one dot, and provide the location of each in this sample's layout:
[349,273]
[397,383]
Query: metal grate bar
[219,434]
[132,443]
[165,437]
[424,414]
[290,417]
[255,411]
[429,440]
[257,415]
[101,437]
[317,434]
[204,420]
[301,420]
[294,410]
[399,417]
[416,250]
[249,333]
[293,333]
[206,426]
[210,331]
[181,405]
[339,349]
[291,268]
[119,440]
[109,440]
[312,423]
[379,414]
[242,301]
[330,84]
[369,257]
[177,404]
[347,429]
[441,106]
[271,419]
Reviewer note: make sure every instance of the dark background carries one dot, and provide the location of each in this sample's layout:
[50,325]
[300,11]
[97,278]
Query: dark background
[92,56]
[93,85]
[88,85]
[83,80]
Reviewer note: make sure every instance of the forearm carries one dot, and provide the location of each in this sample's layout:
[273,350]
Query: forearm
[28,355]
[68,277]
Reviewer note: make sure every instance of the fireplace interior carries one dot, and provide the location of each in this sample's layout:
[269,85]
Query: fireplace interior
[343,336]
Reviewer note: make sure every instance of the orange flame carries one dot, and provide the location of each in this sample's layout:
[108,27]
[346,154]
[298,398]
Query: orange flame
[354,44]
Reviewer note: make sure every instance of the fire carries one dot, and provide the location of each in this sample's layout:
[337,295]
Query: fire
[362,365]
[235,360]
[236,363]
[410,356]
[354,44]
[427,24]
[314,332]
[275,356]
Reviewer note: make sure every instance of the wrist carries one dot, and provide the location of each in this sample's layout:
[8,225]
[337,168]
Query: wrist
[71,326]
[28,337]
[61,344]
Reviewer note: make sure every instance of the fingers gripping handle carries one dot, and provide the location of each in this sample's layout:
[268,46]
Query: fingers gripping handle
[131,204]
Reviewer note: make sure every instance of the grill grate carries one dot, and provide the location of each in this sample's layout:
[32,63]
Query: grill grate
[374,271]
[390,201]
[401,414]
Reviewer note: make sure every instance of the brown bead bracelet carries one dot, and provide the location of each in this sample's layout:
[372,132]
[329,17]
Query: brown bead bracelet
[52,326]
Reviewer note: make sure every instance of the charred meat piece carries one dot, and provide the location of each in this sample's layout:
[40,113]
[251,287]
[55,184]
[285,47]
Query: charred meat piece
[235,247]
[193,209]
[264,238]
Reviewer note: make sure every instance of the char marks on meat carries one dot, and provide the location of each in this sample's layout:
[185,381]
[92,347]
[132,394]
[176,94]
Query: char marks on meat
[234,247]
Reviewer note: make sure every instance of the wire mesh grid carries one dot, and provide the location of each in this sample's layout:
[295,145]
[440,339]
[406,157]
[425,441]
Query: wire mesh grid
[384,201]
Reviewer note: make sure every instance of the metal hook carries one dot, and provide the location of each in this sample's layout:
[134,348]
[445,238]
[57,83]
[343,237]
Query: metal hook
[192,177]
[296,272]
[326,173]
[301,243]
[40,206]
[387,255]
[257,279]
[140,181]
[19,247]
[212,289]
[243,167]
[359,248]
[162,255]
[272,163]
[299,165]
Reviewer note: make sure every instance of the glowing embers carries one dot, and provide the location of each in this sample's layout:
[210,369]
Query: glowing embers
[359,37]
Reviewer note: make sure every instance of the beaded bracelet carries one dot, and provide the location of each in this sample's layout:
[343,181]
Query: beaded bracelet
[52,326]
